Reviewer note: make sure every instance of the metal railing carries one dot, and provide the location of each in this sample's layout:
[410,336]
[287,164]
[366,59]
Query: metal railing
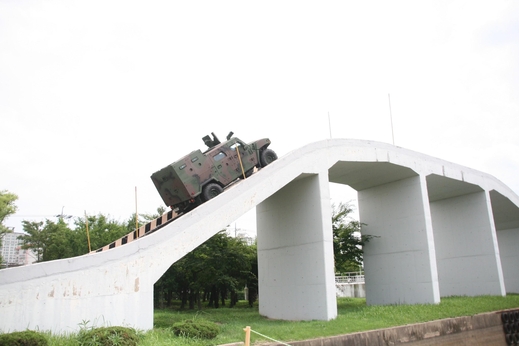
[349,278]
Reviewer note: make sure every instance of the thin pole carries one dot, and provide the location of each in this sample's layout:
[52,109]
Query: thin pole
[391,118]
[247,335]
[241,163]
[88,234]
[136,214]
[330,125]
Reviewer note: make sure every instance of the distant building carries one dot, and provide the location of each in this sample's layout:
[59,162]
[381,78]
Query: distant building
[12,253]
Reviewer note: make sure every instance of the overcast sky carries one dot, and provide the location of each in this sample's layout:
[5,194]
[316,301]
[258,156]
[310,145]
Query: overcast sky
[95,96]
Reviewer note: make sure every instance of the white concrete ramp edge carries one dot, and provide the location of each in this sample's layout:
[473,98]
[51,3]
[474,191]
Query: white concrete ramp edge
[116,287]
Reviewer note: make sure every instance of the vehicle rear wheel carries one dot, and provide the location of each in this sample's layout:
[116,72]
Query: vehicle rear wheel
[267,157]
[211,191]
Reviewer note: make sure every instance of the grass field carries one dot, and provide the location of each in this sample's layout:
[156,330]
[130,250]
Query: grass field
[353,316]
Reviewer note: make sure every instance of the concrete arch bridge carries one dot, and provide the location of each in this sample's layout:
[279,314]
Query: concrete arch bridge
[443,229]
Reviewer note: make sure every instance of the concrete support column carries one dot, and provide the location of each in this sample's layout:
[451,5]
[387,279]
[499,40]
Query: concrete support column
[466,246]
[400,264]
[508,240]
[295,251]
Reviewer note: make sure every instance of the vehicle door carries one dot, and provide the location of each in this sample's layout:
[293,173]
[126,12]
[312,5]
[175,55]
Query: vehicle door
[245,154]
[227,162]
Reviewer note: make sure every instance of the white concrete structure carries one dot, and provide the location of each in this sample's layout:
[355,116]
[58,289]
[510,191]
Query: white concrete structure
[353,290]
[351,285]
[442,229]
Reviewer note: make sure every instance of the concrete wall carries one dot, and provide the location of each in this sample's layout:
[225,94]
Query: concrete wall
[355,290]
[62,294]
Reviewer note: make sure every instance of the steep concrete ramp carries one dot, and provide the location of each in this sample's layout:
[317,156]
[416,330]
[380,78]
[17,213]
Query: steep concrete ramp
[418,206]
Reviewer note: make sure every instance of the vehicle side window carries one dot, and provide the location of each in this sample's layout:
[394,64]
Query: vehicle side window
[238,145]
[219,156]
[235,145]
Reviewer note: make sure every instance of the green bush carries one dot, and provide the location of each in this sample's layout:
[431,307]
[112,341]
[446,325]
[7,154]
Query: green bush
[25,338]
[108,336]
[196,329]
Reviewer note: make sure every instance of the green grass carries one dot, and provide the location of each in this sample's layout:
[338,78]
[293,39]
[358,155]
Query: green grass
[353,316]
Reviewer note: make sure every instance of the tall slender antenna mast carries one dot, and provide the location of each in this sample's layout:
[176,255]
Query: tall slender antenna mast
[391,118]
[136,214]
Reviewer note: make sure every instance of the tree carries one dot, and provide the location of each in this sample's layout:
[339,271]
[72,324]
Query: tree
[35,238]
[59,240]
[347,239]
[7,208]
[49,240]
[55,240]
[102,231]
[228,268]
[214,271]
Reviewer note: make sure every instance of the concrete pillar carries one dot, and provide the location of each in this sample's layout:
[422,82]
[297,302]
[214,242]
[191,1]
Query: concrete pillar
[508,240]
[400,264]
[466,246]
[295,251]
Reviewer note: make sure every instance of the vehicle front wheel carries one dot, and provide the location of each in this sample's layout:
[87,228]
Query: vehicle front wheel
[267,157]
[211,191]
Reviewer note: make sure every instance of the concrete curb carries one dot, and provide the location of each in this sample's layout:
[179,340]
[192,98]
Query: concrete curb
[478,330]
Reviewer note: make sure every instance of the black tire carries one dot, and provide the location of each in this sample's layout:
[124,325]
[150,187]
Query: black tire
[211,191]
[505,317]
[267,157]
[188,207]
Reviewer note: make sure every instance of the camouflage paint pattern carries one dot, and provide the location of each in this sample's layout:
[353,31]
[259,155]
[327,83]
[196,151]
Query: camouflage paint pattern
[181,183]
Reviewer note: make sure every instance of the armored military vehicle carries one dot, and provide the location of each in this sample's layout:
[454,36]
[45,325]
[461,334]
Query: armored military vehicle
[200,176]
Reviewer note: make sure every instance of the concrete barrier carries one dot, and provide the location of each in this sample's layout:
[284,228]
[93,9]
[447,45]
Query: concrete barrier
[478,330]
[355,290]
